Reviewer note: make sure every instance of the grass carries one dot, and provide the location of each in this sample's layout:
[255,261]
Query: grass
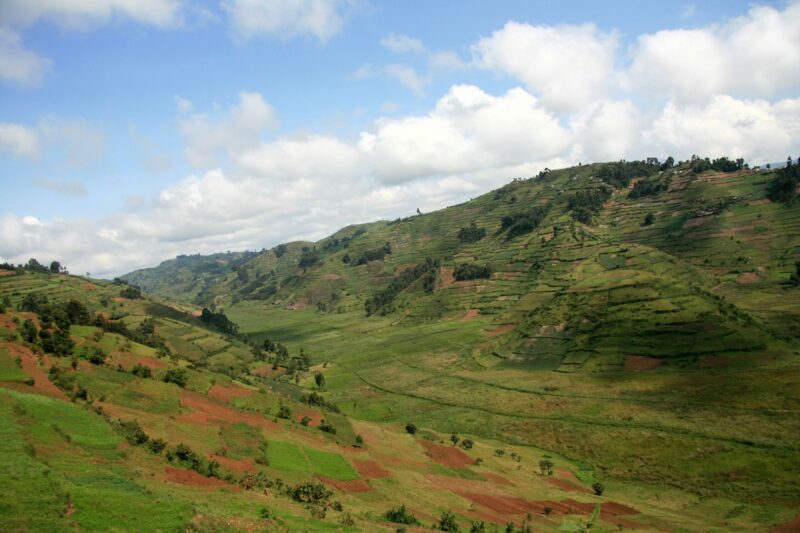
[293,457]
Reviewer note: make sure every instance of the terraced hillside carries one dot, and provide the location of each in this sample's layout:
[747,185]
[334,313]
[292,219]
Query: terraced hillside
[642,323]
[114,434]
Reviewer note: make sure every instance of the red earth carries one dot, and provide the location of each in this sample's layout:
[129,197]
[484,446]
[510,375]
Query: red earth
[237,465]
[447,455]
[31,367]
[641,362]
[225,394]
[355,485]
[185,476]
[370,469]
[209,412]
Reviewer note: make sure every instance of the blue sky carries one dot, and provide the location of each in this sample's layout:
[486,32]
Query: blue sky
[134,131]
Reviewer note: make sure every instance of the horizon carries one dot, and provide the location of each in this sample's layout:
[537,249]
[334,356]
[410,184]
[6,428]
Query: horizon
[131,135]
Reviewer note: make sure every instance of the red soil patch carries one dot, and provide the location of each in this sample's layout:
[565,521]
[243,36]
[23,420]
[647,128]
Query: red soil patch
[568,486]
[332,276]
[512,505]
[4,272]
[89,286]
[237,465]
[211,413]
[446,455]
[788,527]
[641,362]
[32,317]
[446,276]
[748,278]
[5,321]
[370,469]
[268,372]
[763,201]
[694,222]
[616,509]
[302,303]
[355,485]
[710,361]
[185,476]
[496,478]
[315,416]
[718,271]
[472,313]
[31,367]
[499,330]
[225,394]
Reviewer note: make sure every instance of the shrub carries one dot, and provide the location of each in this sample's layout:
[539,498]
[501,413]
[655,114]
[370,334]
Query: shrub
[649,219]
[467,444]
[141,371]
[522,223]
[156,445]
[177,376]
[471,234]
[132,432]
[401,515]
[411,428]
[93,354]
[327,427]
[467,271]
[284,411]
[131,293]
[598,488]
[447,522]
[359,443]
[546,467]
[309,492]
[305,420]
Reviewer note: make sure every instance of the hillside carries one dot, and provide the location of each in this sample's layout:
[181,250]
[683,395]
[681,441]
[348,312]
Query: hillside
[596,368]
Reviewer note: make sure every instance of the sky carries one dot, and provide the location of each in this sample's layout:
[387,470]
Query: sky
[132,131]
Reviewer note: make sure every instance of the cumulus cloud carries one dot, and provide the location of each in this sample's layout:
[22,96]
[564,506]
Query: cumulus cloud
[19,140]
[18,65]
[407,76]
[567,65]
[286,18]
[755,55]
[206,137]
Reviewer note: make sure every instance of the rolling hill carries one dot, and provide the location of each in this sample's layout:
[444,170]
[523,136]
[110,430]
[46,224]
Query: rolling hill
[610,346]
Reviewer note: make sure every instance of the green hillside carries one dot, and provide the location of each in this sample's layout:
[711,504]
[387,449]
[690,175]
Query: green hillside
[597,368]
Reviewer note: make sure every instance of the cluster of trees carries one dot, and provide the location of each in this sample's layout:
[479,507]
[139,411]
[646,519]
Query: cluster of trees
[783,187]
[382,300]
[219,321]
[145,332]
[471,234]
[648,188]
[278,354]
[309,257]
[370,255]
[131,292]
[55,320]
[466,271]
[335,244]
[35,266]
[723,164]
[584,204]
[620,174]
[521,223]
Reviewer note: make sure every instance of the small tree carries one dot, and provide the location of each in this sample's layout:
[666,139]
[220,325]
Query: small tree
[411,428]
[28,331]
[477,527]
[177,376]
[401,515]
[467,444]
[546,467]
[598,488]
[319,379]
[454,439]
[305,420]
[447,522]
[284,411]
[649,219]
[55,267]
[359,442]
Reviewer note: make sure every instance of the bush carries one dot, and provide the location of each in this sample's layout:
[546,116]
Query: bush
[94,355]
[156,446]
[305,420]
[141,371]
[309,492]
[467,444]
[411,428]
[468,271]
[649,219]
[598,488]
[327,427]
[471,234]
[132,432]
[284,411]
[447,522]
[131,293]
[546,467]
[177,376]
[522,223]
[401,515]
[382,299]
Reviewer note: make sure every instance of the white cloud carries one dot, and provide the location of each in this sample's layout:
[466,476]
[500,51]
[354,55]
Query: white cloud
[755,55]
[19,140]
[407,76]
[286,18]
[753,129]
[567,66]
[70,188]
[468,131]
[206,138]
[184,106]
[445,60]
[86,13]
[402,43]
[607,131]
[19,65]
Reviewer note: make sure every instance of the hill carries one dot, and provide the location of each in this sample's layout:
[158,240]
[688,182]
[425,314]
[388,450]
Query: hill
[624,329]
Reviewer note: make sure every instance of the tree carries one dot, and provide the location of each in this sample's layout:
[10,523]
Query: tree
[794,279]
[284,411]
[359,443]
[477,527]
[546,467]
[598,488]
[648,219]
[447,522]
[28,331]
[454,439]
[177,376]
[401,515]
[467,444]
[305,420]
[55,267]
[131,293]
[319,379]
[327,427]
[411,428]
